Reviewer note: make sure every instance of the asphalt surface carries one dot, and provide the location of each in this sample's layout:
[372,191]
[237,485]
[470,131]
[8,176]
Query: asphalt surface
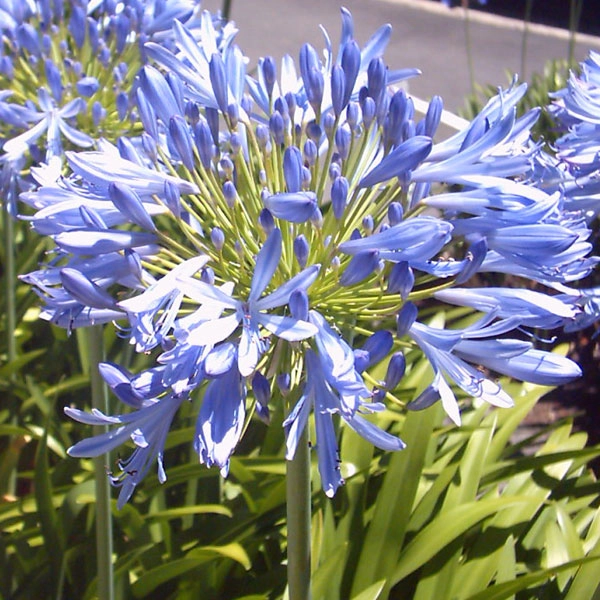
[425,35]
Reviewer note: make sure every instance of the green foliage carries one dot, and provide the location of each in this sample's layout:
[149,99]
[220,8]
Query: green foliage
[462,513]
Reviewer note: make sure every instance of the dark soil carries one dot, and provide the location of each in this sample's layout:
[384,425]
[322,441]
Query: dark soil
[579,399]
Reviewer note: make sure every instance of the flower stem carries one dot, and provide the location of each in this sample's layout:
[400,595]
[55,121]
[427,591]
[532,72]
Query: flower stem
[298,522]
[104,544]
[10,278]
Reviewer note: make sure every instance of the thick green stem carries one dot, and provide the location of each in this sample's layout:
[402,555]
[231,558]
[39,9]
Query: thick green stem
[9,483]
[104,544]
[10,280]
[298,522]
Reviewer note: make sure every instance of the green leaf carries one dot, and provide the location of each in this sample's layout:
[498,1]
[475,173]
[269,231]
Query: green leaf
[395,499]
[447,527]
[150,580]
[506,589]
[373,592]
[175,513]
[52,534]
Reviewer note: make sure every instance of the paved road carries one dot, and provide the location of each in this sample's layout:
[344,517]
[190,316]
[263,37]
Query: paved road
[425,35]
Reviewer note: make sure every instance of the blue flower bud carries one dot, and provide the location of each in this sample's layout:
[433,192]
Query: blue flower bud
[233,114]
[226,168]
[229,193]
[284,383]
[204,143]
[395,213]
[84,290]
[246,104]
[395,370]
[147,114]
[277,128]
[269,73]
[98,113]
[87,86]
[129,203]
[91,218]
[407,315]
[173,198]
[262,393]
[218,80]
[343,137]
[317,218]
[311,76]
[335,171]
[337,89]
[122,30]
[149,146]
[306,177]
[6,67]
[192,112]
[377,79]
[314,132]
[301,250]
[207,275]
[368,224]
[296,208]
[176,87]
[266,221]
[310,152]
[351,66]
[217,237]
[378,346]
[328,123]
[128,151]
[360,267]
[292,169]
[93,34]
[27,38]
[122,102]
[262,136]
[339,196]
[280,105]
[54,79]
[433,116]
[401,280]
[361,359]
[77,24]
[291,102]
[352,115]
[369,111]
[104,56]
[212,118]
[235,143]
[45,14]
[181,139]
[299,304]
[46,44]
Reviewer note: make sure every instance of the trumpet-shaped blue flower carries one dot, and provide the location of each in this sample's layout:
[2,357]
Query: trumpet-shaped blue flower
[249,313]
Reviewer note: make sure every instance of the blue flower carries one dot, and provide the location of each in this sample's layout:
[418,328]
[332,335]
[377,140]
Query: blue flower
[249,313]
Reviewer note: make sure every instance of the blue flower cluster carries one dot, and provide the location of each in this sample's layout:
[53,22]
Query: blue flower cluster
[271,237]
[68,69]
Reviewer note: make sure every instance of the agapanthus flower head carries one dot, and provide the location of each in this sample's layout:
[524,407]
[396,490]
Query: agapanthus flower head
[283,235]
[68,70]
